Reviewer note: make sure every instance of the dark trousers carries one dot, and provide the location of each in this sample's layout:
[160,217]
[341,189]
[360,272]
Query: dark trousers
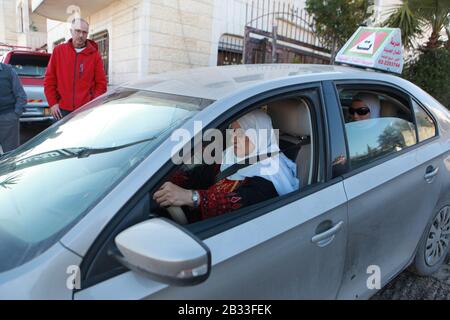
[65,112]
[9,131]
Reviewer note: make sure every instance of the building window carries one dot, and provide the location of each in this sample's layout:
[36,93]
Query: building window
[231,48]
[102,40]
[20,13]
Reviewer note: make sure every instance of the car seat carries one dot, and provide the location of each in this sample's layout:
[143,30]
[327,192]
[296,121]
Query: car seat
[293,119]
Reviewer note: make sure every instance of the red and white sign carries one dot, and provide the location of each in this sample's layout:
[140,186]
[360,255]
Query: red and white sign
[377,48]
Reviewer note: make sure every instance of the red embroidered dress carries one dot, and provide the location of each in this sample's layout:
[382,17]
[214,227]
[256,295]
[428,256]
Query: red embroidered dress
[225,195]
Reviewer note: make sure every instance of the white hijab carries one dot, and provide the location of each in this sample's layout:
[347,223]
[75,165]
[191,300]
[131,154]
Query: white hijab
[372,101]
[278,169]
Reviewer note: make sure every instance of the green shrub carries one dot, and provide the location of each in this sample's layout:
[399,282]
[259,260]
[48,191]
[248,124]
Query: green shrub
[431,71]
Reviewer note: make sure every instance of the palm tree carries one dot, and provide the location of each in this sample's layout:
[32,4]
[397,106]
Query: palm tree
[435,13]
[447,30]
[407,20]
[414,17]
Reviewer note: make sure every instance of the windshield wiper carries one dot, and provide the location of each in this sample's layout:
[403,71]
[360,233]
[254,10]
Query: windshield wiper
[87,152]
[61,154]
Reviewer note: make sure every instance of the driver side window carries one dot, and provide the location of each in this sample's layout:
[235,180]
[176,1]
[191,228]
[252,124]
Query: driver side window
[288,164]
[280,158]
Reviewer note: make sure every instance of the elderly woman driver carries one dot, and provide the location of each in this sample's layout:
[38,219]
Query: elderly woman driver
[265,179]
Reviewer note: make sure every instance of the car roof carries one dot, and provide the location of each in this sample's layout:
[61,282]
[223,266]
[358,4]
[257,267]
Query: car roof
[215,83]
[31,53]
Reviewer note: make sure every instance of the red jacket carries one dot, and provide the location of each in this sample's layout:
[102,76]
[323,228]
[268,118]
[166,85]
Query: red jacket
[72,79]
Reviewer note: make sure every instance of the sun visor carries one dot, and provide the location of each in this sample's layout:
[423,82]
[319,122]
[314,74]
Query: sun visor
[376,48]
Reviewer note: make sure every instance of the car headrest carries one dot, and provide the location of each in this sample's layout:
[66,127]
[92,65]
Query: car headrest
[388,109]
[291,116]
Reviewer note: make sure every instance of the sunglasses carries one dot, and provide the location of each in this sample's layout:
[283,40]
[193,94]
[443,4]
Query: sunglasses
[360,111]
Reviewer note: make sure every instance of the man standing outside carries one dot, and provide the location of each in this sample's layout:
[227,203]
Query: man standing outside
[12,101]
[75,73]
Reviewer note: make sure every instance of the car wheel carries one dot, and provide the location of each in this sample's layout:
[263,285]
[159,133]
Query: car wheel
[434,245]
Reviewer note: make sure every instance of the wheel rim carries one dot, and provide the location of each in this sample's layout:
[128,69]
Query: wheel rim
[438,237]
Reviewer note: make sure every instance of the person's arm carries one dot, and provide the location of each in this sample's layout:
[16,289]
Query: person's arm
[100,77]
[177,191]
[19,93]
[51,81]
[199,177]
[252,190]
[179,177]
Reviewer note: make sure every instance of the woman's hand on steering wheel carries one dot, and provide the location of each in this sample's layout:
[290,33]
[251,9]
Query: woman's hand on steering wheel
[170,194]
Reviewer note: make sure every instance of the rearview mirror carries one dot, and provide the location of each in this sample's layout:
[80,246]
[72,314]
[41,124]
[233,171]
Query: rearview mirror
[160,249]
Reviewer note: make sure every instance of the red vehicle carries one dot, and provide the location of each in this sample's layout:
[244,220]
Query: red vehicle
[30,66]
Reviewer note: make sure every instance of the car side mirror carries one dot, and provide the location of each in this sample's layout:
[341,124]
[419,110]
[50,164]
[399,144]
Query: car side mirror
[164,252]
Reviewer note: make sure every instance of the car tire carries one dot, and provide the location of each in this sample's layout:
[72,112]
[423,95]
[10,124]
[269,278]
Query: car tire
[425,263]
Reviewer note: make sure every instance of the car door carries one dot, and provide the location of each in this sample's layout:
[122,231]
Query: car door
[290,248]
[292,252]
[391,198]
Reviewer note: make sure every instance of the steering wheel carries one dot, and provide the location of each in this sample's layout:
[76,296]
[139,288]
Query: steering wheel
[178,215]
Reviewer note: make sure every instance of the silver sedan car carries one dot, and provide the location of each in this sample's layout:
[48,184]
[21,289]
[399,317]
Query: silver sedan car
[78,220]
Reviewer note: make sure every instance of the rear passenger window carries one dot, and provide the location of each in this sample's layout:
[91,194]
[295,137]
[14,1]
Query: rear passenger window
[377,124]
[425,124]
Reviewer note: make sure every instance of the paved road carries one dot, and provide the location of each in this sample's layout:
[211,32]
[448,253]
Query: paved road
[405,286]
[408,286]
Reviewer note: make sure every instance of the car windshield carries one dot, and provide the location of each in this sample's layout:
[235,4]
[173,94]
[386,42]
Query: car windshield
[49,183]
[30,65]
[30,71]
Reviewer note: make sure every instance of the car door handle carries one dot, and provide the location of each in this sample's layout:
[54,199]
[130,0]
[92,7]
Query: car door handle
[325,238]
[431,173]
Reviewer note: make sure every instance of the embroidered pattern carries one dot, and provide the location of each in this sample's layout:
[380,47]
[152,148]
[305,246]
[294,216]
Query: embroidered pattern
[219,198]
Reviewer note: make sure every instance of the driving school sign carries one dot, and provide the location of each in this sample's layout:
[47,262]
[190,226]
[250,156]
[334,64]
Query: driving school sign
[378,48]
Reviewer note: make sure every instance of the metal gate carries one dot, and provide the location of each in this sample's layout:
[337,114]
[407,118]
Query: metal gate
[277,32]
[230,50]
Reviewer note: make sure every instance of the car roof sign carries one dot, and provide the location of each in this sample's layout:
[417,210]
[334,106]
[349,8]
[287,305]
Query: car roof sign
[376,48]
